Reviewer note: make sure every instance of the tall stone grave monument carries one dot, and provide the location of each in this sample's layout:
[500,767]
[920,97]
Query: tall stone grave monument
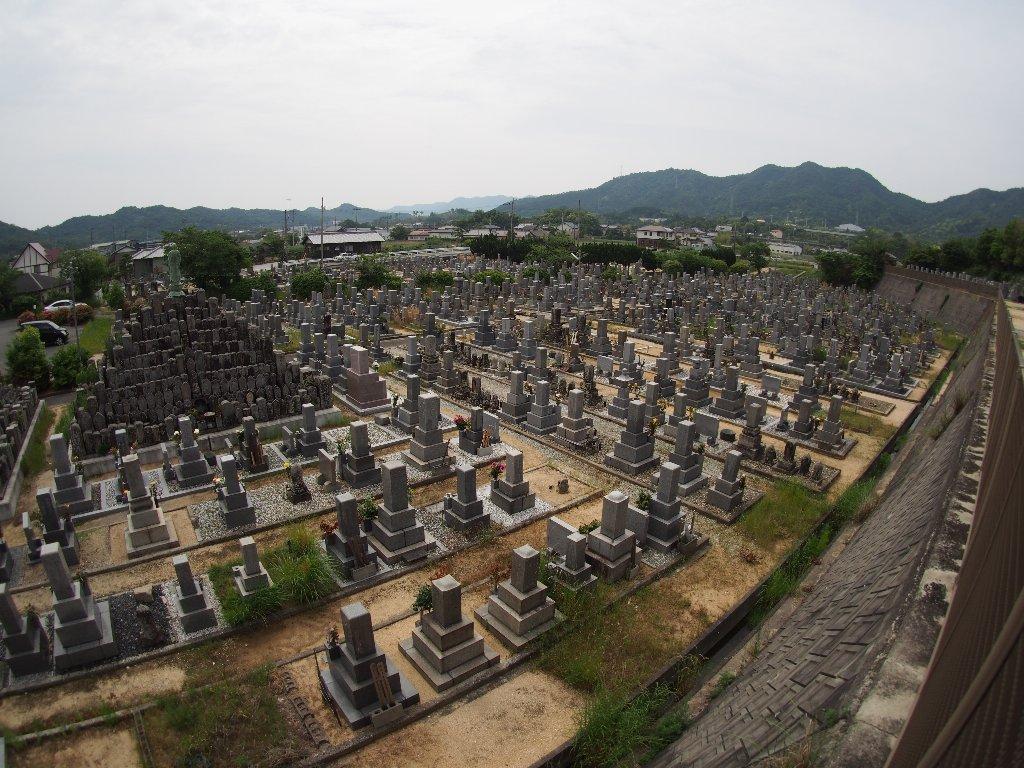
[520,610]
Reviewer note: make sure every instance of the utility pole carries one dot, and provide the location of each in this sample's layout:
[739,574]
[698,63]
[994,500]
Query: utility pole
[321,228]
[511,229]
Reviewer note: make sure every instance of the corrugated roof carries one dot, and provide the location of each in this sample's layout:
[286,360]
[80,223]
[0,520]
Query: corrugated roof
[339,238]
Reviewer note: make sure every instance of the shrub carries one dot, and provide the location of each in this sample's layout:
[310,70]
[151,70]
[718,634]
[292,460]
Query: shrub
[27,315]
[23,303]
[26,359]
[306,281]
[374,273]
[113,295]
[434,280]
[68,364]
[497,276]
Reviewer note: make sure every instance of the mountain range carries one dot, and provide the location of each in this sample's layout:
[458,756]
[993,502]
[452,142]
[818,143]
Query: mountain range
[808,194]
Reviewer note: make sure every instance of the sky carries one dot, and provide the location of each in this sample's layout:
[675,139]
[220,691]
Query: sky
[275,104]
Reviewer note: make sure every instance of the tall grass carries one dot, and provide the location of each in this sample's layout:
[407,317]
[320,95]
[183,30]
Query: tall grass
[301,571]
[786,511]
[612,729]
[34,460]
[93,335]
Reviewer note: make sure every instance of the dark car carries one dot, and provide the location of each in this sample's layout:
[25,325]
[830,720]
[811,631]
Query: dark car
[49,331]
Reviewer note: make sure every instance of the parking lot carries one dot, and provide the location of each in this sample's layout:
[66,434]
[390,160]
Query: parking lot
[7,330]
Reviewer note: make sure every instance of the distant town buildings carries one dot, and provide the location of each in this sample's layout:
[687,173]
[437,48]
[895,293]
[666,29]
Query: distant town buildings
[785,250]
[653,235]
[338,243]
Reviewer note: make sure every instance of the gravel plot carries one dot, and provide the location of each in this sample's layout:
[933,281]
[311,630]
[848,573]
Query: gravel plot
[273,508]
[498,450]
[108,488]
[127,626]
[177,632]
[656,559]
[506,520]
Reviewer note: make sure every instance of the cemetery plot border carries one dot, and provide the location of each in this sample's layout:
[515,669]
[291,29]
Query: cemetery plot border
[699,503]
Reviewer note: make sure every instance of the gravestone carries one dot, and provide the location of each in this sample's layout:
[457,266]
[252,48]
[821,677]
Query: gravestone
[397,536]
[464,511]
[359,678]
[611,549]
[520,610]
[189,598]
[348,543]
[26,643]
[544,415]
[71,492]
[727,492]
[511,493]
[56,529]
[358,464]
[568,562]
[633,452]
[148,530]
[82,630]
[250,575]
[428,450]
[192,468]
[445,647]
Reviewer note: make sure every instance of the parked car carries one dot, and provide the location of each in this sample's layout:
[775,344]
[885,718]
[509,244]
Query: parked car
[49,331]
[61,304]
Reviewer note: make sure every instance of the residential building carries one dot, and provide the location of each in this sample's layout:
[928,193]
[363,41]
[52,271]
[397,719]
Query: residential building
[653,235]
[38,260]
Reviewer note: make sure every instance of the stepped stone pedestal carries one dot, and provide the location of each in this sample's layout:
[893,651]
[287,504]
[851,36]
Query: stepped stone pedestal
[612,548]
[70,491]
[82,632]
[349,544]
[464,511]
[633,452]
[235,505]
[148,530]
[360,679]
[516,404]
[192,468]
[520,610]
[358,464]
[190,599]
[26,644]
[308,438]
[730,403]
[511,494]
[250,575]
[427,450]
[445,647]
[407,415]
[397,536]
[365,391]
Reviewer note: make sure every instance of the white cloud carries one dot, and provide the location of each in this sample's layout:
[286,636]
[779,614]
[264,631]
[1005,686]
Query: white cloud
[251,104]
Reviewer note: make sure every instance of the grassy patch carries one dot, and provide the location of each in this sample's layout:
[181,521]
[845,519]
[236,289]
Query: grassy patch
[866,424]
[93,335]
[232,723]
[786,511]
[68,415]
[34,460]
[302,573]
[294,339]
[387,368]
[948,339]
[613,729]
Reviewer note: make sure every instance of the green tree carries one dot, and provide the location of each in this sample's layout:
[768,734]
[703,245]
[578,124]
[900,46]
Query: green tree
[26,359]
[86,269]
[306,281]
[271,247]
[213,260]
[8,277]
[68,364]
[113,295]
[400,232]
[757,254]
[374,273]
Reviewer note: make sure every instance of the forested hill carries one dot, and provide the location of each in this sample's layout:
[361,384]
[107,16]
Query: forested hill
[149,222]
[808,194]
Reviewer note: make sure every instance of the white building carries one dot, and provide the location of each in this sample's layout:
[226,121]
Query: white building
[36,260]
[653,234]
[785,250]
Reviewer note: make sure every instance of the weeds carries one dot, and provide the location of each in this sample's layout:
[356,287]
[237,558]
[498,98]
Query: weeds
[34,460]
[724,681]
[785,512]
[612,729]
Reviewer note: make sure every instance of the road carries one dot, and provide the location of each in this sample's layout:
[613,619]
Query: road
[7,330]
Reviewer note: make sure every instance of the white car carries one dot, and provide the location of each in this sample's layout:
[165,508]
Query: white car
[62,304]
